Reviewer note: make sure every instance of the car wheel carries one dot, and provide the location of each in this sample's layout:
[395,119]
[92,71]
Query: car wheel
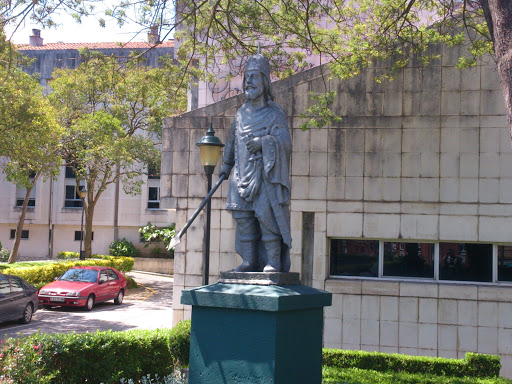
[27,314]
[89,303]
[119,299]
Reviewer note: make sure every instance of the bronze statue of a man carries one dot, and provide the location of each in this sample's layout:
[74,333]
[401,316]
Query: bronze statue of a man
[258,147]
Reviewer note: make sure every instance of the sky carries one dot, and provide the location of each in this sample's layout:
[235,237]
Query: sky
[71,32]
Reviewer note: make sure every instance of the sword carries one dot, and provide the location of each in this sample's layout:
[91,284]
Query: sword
[177,238]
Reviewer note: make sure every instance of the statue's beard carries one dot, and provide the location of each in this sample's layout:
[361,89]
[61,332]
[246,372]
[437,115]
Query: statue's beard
[253,93]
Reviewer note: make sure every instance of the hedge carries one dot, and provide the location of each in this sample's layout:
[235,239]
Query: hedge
[43,274]
[361,376]
[474,365]
[98,357]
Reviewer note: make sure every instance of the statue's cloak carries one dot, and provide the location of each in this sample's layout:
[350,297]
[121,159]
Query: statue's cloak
[261,181]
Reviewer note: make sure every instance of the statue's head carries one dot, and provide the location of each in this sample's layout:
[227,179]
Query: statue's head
[257,77]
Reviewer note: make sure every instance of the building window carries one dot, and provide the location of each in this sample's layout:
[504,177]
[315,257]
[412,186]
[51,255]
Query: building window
[465,262]
[505,263]
[79,235]
[21,192]
[154,171]
[354,257]
[24,234]
[153,197]
[69,173]
[440,261]
[72,199]
[409,259]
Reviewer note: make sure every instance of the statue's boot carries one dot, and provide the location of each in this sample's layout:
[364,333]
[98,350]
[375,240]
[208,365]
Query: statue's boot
[273,249]
[249,256]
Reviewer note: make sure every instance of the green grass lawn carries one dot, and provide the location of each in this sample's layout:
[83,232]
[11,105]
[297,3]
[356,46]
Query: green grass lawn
[27,264]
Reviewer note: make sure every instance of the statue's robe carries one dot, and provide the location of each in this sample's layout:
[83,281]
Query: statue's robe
[261,181]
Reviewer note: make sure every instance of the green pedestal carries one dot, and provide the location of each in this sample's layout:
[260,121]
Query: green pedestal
[253,334]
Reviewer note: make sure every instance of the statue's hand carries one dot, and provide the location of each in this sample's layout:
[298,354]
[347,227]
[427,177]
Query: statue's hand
[254,145]
[225,170]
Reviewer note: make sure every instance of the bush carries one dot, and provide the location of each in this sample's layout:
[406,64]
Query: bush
[99,357]
[123,247]
[474,365]
[361,376]
[68,255]
[153,234]
[40,275]
[4,254]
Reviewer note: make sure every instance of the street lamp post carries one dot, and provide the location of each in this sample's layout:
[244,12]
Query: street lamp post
[209,148]
[81,193]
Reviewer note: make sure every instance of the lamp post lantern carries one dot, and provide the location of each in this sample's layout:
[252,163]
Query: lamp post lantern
[82,193]
[209,148]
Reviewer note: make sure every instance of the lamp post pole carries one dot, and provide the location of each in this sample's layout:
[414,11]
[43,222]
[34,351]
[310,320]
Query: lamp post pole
[209,147]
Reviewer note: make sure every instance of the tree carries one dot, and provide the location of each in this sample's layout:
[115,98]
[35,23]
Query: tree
[113,113]
[30,133]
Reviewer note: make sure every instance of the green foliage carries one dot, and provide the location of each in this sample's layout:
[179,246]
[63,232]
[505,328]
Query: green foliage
[40,275]
[123,247]
[153,234]
[474,365]
[98,357]
[112,110]
[66,255]
[320,114]
[332,375]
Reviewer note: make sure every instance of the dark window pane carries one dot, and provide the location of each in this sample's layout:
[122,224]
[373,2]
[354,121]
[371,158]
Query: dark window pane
[70,174]
[153,193]
[78,233]
[31,202]
[5,289]
[24,234]
[153,205]
[112,275]
[465,262]
[354,257]
[505,263]
[409,259]
[70,192]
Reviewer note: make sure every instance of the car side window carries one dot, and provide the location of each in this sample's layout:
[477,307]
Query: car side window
[16,285]
[112,275]
[103,277]
[4,287]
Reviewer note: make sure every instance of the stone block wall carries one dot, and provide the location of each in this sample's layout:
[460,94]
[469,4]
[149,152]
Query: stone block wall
[424,158]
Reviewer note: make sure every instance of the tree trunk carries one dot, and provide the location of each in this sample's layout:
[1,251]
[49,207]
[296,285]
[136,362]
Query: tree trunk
[499,20]
[19,228]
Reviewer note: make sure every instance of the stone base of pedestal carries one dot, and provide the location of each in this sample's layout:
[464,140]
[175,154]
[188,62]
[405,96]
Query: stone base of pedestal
[256,334]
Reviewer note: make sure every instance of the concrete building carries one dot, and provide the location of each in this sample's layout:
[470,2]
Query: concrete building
[53,220]
[402,210]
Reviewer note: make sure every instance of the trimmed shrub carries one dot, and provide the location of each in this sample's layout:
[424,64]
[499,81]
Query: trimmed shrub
[123,247]
[474,365]
[68,255]
[43,274]
[99,357]
[361,376]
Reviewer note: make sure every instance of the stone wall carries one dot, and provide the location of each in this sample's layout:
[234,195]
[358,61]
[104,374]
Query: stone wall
[423,158]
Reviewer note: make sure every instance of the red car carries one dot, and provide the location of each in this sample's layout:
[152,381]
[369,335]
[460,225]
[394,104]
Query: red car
[84,286]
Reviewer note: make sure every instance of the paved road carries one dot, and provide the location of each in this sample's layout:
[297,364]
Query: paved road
[149,308]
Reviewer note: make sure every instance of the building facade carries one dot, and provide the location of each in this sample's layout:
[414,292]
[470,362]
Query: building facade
[402,210]
[54,215]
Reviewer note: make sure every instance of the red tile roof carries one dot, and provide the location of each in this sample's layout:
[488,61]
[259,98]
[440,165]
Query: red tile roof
[60,46]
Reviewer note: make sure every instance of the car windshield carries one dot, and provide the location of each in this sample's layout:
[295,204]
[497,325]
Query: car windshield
[80,275]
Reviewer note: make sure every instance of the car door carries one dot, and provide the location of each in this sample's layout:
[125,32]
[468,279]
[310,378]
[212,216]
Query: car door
[19,296]
[114,283]
[5,299]
[103,291]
